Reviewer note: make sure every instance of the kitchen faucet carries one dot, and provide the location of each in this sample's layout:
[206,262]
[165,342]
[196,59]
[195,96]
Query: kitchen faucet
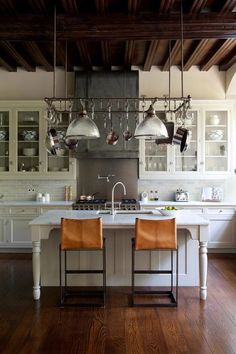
[112,195]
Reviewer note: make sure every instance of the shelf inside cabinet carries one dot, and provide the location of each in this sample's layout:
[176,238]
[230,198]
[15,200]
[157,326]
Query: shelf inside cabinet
[215,141]
[28,157]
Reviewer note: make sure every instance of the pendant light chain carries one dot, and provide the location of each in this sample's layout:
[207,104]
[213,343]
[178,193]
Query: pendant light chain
[54,51]
[182,48]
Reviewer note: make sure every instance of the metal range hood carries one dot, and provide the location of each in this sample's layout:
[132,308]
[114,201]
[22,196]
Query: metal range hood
[108,84]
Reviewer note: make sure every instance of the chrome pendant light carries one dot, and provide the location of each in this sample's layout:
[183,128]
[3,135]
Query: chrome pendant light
[82,127]
[151,127]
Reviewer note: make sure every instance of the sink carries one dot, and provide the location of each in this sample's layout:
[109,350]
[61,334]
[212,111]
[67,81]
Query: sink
[125,211]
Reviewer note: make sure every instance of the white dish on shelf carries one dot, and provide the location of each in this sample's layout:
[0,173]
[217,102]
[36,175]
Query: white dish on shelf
[214,119]
[3,134]
[29,151]
[216,134]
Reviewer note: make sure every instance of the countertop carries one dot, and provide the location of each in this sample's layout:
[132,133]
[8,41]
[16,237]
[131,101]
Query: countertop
[53,218]
[34,203]
[187,204]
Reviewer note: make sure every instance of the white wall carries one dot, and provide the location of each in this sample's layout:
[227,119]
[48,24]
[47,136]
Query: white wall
[22,85]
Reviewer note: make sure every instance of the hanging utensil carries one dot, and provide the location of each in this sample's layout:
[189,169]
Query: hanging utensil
[127,134]
[112,136]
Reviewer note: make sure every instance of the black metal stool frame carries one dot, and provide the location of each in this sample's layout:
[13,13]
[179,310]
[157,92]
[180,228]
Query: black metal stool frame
[173,299]
[65,294]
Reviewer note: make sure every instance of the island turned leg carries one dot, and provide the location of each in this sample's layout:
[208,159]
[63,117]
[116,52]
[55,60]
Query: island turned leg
[203,269]
[36,270]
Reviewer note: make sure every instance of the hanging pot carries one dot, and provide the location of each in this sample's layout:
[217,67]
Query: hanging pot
[180,137]
[184,147]
[170,130]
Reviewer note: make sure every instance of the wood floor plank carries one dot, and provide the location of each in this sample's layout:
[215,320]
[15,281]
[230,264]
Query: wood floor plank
[41,327]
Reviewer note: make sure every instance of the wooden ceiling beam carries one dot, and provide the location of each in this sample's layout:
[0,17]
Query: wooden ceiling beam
[101,6]
[7,66]
[228,62]
[228,7]
[38,6]
[221,52]
[197,6]
[84,53]
[173,54]
[129,51]
[151,55]
[133,7]
[38,55]
[118,27]
[70,7]
[166,6]
[106,55]
[202,47]
[9,7]
[7,46]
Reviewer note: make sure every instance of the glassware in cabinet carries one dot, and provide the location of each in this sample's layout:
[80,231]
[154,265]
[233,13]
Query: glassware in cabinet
[4,141]
[28,141]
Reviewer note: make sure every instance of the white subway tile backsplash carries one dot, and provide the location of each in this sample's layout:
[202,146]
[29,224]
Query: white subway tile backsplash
[27,190]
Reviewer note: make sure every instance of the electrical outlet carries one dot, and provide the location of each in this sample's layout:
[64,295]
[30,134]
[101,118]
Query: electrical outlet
[31,189]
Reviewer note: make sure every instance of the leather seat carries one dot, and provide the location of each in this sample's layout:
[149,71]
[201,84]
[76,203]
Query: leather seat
[155,235]
[81,235]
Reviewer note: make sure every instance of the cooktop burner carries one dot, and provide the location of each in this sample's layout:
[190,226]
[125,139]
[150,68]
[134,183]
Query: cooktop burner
[94,201]
[128,201]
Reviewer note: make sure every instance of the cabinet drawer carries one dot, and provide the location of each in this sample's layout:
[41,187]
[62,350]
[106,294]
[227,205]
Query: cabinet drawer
[4,211]
[193,210]
[23,211]
[45,209]
[220,211]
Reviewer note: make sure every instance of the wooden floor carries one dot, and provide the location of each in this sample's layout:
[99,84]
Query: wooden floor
[41,327]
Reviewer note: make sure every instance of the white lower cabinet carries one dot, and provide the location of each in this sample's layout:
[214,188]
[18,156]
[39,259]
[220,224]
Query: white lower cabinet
[15,231]
[222,224]
[221,228]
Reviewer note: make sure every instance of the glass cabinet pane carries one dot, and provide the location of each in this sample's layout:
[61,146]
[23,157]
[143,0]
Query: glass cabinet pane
[155,156]
[187,160]
[60,163]
[28,141]
[216,141]
[4,141]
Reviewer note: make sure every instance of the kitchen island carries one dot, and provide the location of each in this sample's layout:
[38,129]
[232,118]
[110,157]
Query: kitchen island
[42,227]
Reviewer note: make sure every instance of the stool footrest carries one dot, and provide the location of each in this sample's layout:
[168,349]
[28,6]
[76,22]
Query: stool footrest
[153,292]
[153,271]
[92,271]
[84,293]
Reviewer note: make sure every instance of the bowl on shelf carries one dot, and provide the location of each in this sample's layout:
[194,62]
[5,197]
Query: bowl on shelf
[3,134]
[29,151]
[214,119]
[29,135]
[216,134]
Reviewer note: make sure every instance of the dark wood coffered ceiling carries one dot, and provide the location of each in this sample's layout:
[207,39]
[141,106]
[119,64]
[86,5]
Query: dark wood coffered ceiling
[102,34]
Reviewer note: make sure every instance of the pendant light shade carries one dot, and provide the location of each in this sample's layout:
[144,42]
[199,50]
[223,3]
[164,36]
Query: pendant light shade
[82,127]
[151,127]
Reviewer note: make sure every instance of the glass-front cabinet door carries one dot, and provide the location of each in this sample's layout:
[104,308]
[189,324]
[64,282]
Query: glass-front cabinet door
[61,161]
[4,140]
[28,149]
[216,141]
[155,157]
[188,159]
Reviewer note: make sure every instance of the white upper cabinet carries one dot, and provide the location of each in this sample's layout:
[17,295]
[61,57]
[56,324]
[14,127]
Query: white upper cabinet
[23,154]
[208,152]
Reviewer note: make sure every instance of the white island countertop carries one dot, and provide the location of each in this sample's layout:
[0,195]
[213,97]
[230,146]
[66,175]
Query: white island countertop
[124,220]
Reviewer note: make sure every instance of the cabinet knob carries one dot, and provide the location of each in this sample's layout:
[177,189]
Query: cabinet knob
[10,162]
[201,163]
[40,163]
[220,211]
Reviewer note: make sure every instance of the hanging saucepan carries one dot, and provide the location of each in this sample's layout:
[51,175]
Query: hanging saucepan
[180,137]
[170,130]
[112,136]
[71,144]
[127,134]
[49,143]
[187,143]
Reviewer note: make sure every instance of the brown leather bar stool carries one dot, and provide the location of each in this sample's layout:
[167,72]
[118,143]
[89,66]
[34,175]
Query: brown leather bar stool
[155,235]
[81,235]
